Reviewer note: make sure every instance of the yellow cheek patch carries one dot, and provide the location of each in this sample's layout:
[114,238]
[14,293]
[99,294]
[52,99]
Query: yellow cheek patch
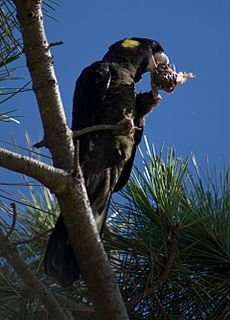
[130,43]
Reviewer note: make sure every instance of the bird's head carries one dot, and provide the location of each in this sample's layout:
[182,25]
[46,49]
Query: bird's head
[138,55]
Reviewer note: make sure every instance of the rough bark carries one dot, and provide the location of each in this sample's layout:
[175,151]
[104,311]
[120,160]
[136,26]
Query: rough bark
[90,254]
[72,197]
[53,178]
[40,64]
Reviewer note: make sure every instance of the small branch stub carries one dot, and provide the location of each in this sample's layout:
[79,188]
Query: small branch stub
[54,44]
[14,218]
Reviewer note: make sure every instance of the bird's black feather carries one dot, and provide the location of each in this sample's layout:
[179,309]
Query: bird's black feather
[89,95]
[104,94]
[59,260]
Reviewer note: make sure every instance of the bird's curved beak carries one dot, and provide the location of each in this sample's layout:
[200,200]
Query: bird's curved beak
[156,58]
[161,57]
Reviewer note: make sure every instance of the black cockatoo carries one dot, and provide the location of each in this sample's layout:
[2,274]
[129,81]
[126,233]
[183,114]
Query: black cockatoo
[105,94]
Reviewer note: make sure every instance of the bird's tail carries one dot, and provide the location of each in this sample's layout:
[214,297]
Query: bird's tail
[59,260]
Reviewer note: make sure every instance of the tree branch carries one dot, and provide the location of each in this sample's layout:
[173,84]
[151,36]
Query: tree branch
[90,252]
[119,129]
[14,218]
[9,251]
[51,177]
[171,256]
[80,310]
[73,199]
[34,238]
[40,64]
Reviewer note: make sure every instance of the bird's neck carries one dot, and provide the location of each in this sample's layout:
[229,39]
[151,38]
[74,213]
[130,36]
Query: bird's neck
[133,66]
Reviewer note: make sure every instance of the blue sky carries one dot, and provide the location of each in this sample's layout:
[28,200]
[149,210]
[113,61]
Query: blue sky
[194,34]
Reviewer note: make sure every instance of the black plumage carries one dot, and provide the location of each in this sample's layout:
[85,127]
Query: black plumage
[105,94]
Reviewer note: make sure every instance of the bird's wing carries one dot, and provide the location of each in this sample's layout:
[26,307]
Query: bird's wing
[89,95]
[106,160]
[95,147]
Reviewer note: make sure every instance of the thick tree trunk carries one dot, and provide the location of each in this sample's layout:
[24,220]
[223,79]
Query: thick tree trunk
[66,181]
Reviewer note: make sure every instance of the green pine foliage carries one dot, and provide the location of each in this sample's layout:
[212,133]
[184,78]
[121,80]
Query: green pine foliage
[36,210]
[168,240]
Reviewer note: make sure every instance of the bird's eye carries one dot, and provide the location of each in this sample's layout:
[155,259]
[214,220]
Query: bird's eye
[161,57]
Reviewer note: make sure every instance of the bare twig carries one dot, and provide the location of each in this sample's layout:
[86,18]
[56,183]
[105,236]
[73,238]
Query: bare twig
[40,235]
[53,44]
[14,218]
[40,144]
[118,129]
[172,250]
[171,256]
[161,307]
[10,252]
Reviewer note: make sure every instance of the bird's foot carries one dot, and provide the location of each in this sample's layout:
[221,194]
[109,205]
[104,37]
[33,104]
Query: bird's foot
[126,126]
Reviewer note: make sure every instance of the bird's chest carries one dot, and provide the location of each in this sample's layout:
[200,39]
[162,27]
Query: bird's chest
[119,104]
[120,109]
